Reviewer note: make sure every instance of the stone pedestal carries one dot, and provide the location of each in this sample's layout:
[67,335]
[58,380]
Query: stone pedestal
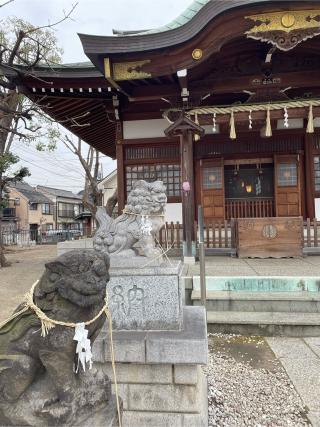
[160,344]
[160,379]
[146,298]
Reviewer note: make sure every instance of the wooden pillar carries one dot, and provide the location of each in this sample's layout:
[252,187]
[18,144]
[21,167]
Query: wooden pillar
[120,176]
[309,175]
[186,129]
[188,198]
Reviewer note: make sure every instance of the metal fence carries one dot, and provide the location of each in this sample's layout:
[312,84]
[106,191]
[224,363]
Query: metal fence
[219,236]
[37,237]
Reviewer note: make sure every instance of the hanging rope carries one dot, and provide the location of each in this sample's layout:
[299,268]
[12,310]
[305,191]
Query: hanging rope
[139,214]
[233,134]
[254,107]
[268,124]
[196,120]
[310,126]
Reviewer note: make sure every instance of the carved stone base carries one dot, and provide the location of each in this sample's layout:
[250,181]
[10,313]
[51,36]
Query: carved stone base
[146,298]
[134,261]
[105,416]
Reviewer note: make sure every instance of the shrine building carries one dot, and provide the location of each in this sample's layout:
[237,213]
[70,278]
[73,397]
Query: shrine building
[222,104]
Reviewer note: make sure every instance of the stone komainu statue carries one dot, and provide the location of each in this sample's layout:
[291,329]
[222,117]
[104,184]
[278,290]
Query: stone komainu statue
[38,385]
[141,220]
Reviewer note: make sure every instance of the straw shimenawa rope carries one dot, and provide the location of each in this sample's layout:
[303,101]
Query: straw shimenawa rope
[233,134]
[268,124]
[124,211]
[310,126]
[47,323]
[254,107]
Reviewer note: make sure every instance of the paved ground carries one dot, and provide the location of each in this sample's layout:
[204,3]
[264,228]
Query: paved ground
[15,281]
[240,359]
[301,359]
[227,266]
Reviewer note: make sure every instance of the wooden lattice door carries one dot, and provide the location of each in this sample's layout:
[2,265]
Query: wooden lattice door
[212,190]
[287,185]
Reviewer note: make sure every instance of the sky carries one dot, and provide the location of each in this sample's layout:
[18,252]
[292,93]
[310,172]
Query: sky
[61,168]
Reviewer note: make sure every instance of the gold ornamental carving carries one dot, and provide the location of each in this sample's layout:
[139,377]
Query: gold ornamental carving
[197,54]
[269,231]
[285,29]
[107,68]
[285,21]
[130,70]
[288,20]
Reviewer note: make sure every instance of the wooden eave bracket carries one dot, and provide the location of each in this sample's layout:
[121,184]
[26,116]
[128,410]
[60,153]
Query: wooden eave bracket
[184,124]
[183,81]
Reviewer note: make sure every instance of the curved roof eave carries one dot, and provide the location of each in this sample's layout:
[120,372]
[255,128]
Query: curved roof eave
[166,37]
[180,20]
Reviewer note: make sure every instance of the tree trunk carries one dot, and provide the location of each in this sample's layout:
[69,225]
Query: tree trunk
[6,120]
[3,260]
[111,202]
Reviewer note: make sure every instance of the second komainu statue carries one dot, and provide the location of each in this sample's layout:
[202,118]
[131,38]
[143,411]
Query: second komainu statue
[139,224]
[38,381]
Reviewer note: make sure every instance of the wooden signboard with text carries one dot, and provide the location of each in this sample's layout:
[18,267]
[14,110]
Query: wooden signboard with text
[269,237]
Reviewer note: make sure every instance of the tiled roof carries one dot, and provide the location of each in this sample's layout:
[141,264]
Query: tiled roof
[57,192]
[184,28]
[31,193]
[182,19]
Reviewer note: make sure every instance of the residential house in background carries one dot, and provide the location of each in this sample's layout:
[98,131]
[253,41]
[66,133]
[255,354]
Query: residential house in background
[28,209]
[108,186]
[85,217]
[67,207]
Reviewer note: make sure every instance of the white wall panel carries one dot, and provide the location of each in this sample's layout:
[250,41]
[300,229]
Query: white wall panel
[317,208]
[174,212]
[145,128]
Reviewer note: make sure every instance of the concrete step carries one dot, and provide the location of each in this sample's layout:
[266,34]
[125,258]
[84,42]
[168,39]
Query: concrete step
[232,301]
[264,323]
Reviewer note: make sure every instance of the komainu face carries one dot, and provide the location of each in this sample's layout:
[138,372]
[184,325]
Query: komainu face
[78,276]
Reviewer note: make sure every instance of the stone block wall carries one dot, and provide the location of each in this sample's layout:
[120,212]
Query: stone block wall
[159,374]
[161,395]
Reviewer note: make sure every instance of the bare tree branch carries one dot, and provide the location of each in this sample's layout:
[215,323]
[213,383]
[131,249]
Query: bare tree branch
[66,16]
[7,2]
[90,163]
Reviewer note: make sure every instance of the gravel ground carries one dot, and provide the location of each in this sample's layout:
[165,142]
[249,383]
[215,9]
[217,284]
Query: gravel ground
[247,385]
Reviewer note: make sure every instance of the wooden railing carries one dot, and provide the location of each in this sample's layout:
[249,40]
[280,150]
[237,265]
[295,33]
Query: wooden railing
[311,233]
[217,235]
[171,235]
[259,208]
[220,235]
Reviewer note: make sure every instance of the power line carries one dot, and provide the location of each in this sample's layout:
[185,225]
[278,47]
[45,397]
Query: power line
[53,162]
[52,152]
[50,161]
[53,172]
